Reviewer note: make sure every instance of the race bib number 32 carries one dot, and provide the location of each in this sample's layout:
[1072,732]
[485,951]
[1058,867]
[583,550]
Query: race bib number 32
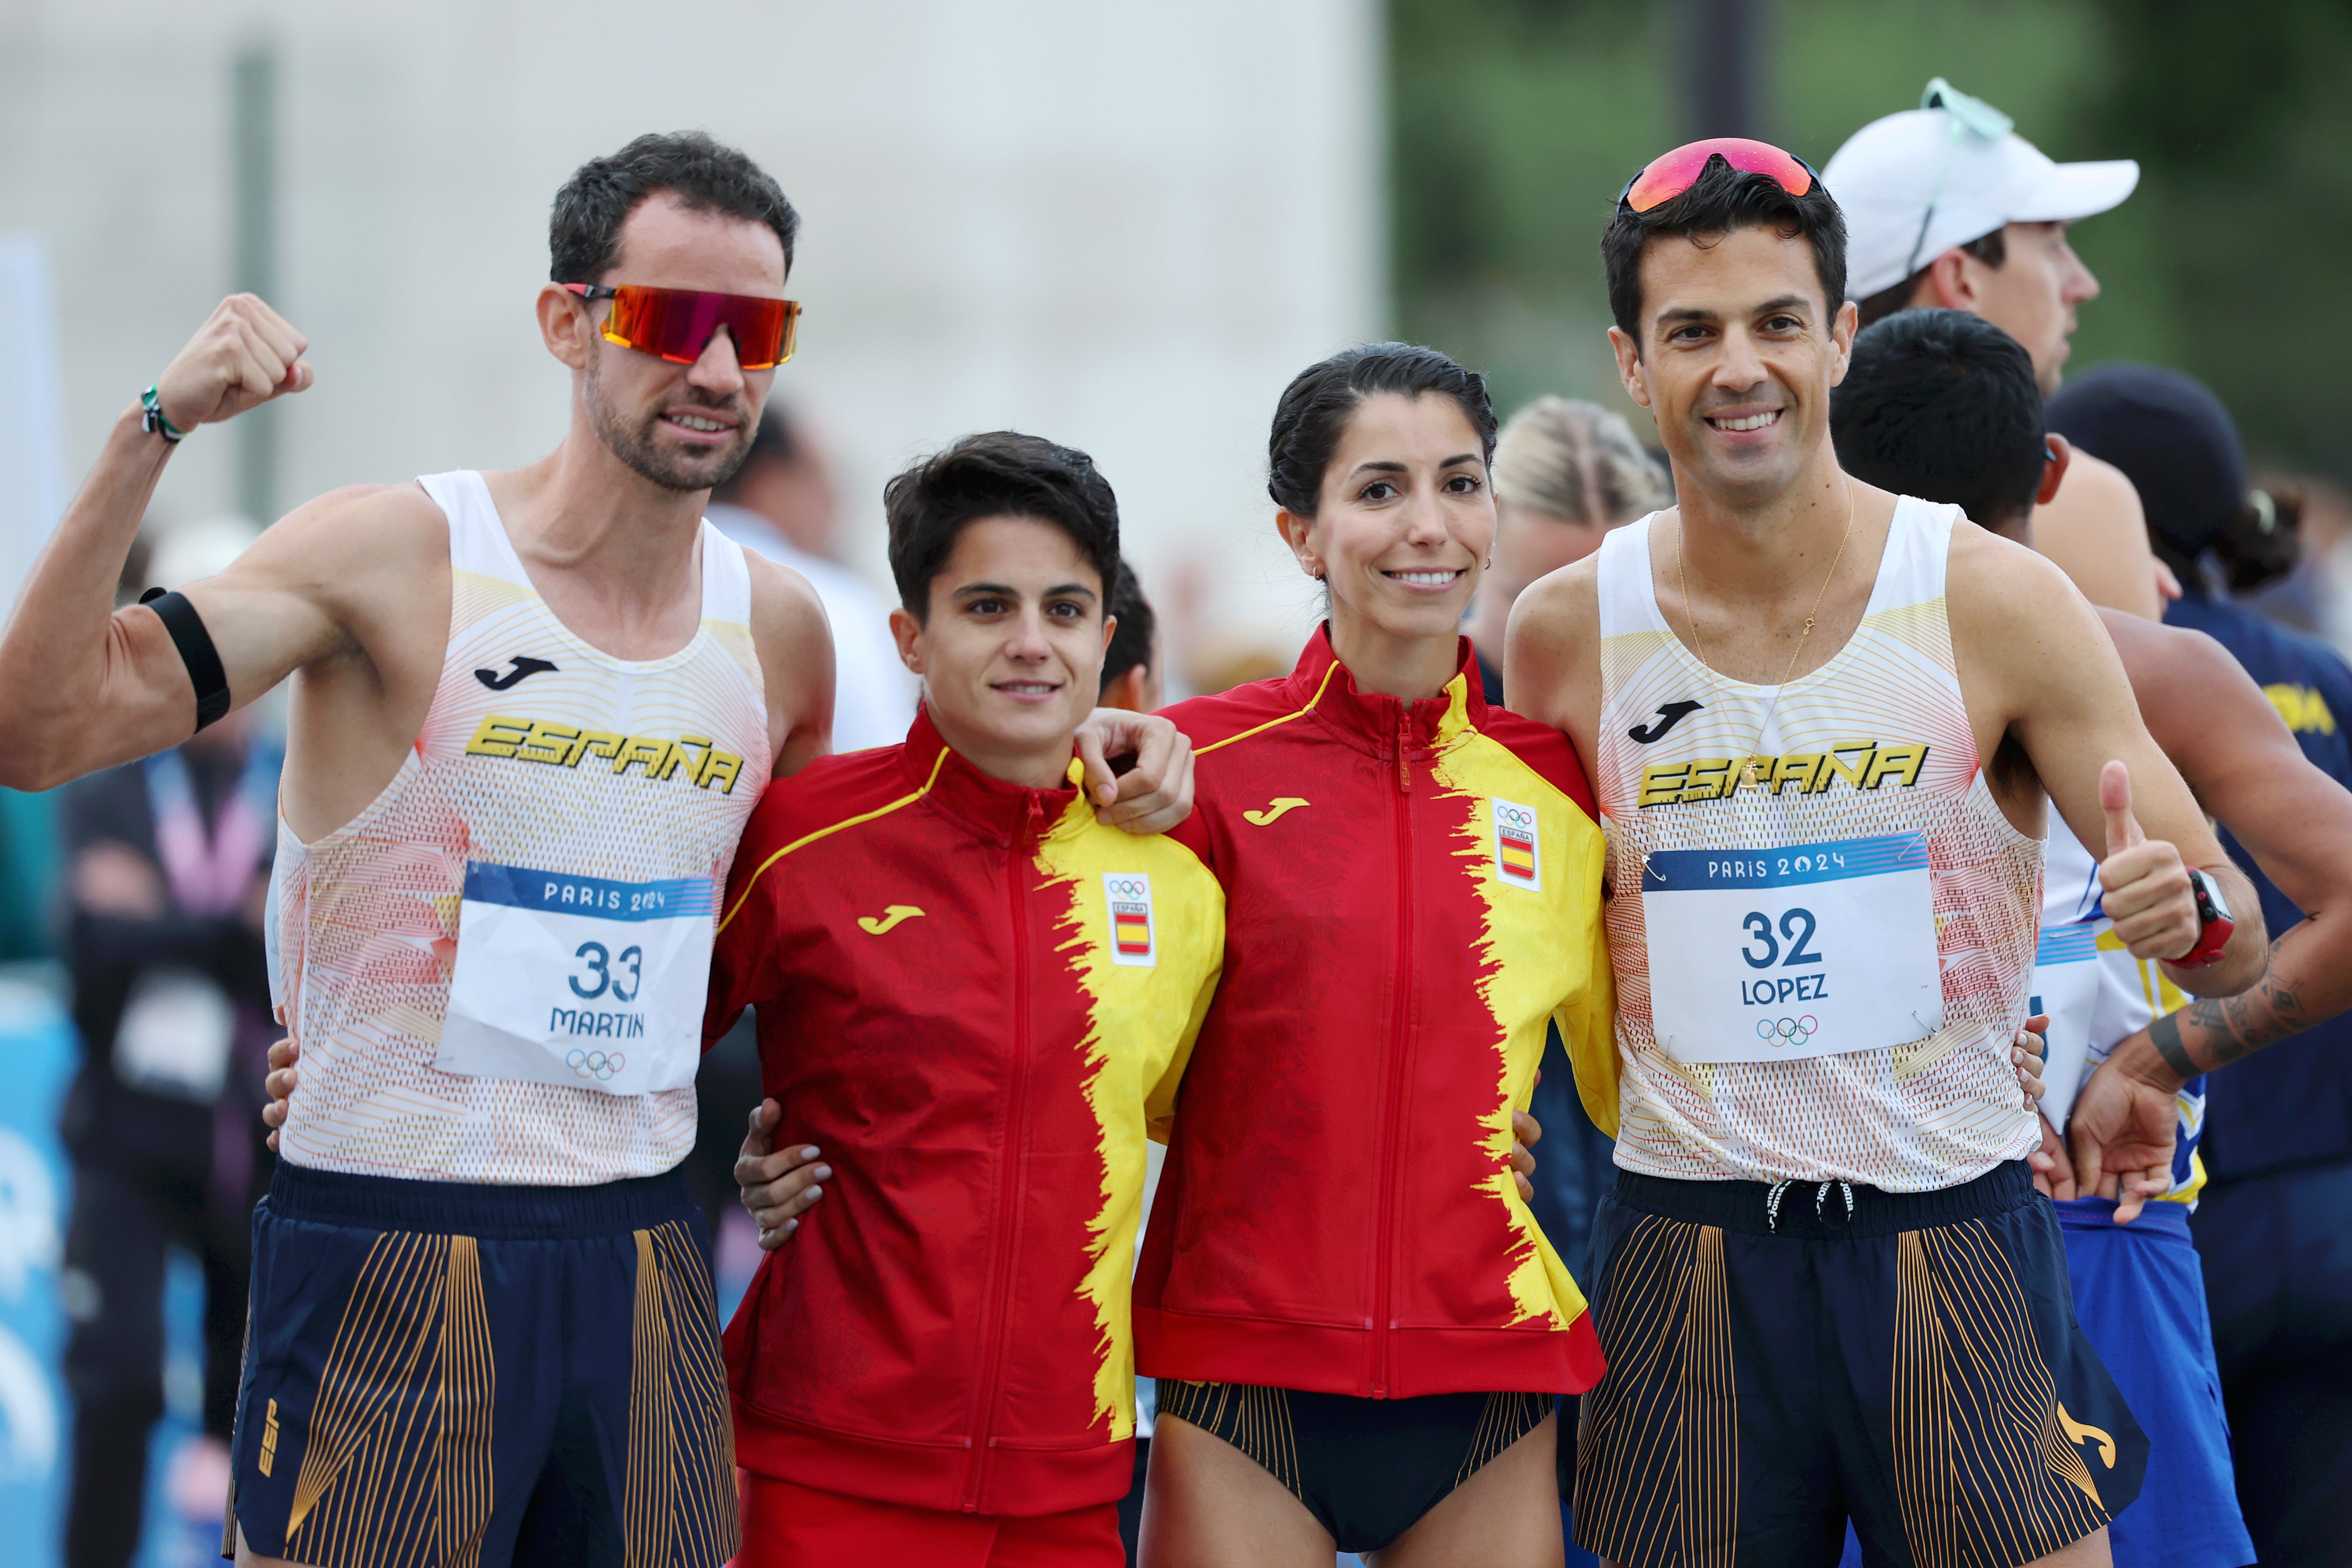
[1806,950]
[582,981]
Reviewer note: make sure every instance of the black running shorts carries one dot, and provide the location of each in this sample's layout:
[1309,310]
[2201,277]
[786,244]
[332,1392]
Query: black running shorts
[1778,1363]
[1366,1468]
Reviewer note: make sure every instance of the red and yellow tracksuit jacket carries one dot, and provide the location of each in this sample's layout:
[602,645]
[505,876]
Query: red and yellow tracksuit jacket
[1412,891]
[973,997]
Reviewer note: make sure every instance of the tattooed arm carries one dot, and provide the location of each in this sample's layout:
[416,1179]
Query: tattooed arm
[2246,768]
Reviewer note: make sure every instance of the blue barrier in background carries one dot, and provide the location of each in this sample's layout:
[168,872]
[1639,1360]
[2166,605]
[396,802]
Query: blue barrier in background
[37,1061]
[38,1058]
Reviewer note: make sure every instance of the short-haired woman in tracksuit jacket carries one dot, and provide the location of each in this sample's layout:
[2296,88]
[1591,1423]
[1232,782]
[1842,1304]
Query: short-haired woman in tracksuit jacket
[1358,1328]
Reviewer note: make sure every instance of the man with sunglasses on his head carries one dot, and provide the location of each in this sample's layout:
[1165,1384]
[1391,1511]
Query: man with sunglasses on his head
[1947,205]
[532,711]
[1824,723]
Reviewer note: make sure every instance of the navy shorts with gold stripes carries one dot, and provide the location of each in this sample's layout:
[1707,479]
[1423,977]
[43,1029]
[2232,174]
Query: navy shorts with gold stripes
[1780,1362]
[444,1376]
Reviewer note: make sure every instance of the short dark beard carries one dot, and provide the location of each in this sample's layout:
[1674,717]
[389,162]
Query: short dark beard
[638,448]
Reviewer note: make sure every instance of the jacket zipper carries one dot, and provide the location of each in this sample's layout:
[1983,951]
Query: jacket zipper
[1384,1261]
[1000,1328]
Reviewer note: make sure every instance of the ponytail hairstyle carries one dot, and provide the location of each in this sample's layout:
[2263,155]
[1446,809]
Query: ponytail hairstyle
[2261,542]
[1576,462]
[1317,405]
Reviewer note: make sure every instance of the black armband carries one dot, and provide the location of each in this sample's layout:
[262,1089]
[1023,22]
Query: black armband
[196,651]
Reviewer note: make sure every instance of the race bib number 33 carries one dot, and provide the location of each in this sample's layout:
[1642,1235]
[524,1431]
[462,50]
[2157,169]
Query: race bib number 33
[1806,950]
[582,981]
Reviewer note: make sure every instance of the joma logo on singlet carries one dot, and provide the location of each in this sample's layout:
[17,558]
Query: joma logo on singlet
[1811,772]
[563,746]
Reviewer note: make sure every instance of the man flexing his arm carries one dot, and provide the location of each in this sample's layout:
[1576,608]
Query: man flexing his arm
[532,712]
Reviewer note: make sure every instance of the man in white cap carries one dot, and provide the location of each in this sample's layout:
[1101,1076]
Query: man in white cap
[1947,205]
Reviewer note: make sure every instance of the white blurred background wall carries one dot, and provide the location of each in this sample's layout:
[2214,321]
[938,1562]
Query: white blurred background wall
[1122,226]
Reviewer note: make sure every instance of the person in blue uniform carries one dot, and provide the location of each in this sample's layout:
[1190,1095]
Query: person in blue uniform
[2274,1229]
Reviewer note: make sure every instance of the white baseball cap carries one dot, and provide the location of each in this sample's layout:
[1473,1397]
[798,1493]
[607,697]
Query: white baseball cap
[1914,184]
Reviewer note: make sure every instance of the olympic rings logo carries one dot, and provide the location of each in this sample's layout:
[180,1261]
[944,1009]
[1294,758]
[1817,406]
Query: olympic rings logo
[1777,1032]
[1129,888]
[1515,816]
[596,1064]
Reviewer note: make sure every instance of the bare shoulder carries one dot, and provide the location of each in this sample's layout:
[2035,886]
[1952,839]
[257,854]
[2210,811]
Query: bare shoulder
[793,640]
[2179,668]
[785,609]
[370,561]
[1552,663]
[1996,583]
[2097,496]
[2025,638]
[2096,531]
[1560,610]
[356,526]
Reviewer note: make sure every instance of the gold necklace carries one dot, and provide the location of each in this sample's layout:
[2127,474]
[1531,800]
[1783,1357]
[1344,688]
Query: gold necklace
[1681,582]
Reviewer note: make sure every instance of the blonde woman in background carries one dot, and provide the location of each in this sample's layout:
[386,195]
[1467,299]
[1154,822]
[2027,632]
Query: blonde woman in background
[1566,472]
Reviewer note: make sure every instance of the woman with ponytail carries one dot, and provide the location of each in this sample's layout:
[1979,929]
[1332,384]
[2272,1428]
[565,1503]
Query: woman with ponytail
[1358,1328]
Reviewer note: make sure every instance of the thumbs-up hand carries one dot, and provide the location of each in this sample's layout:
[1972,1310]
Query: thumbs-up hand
[2147,893]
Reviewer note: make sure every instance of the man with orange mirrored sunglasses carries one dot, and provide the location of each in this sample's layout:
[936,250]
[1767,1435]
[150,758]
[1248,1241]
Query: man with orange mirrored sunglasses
[536,707]
[677,324]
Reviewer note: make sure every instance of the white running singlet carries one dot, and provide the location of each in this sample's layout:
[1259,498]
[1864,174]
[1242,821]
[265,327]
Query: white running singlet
[582,811]
[2096,994]
[1805,922]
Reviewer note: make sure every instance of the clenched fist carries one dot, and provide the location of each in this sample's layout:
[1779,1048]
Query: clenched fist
[246,355]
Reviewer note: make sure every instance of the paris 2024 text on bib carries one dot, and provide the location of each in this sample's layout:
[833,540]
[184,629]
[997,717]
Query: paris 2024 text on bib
[578,979]
[1808,950]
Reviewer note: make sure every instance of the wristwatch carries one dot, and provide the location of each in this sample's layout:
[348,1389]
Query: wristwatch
[2217,925]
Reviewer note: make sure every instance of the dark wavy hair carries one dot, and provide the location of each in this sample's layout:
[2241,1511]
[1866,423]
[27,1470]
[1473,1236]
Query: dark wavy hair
[1000,474]
[1317,403]
[1131,640]
[1720,200]
[584,231]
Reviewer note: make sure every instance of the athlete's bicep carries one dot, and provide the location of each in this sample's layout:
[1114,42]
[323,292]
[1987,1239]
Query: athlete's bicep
[270,611]
[794,642]
[743,969]
[2238,754]
[2048,668]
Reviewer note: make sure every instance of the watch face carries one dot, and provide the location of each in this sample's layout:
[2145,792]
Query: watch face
[2208,896]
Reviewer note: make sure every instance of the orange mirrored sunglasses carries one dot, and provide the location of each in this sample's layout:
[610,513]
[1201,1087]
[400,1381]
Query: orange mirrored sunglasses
[678,324]
[1669,174]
